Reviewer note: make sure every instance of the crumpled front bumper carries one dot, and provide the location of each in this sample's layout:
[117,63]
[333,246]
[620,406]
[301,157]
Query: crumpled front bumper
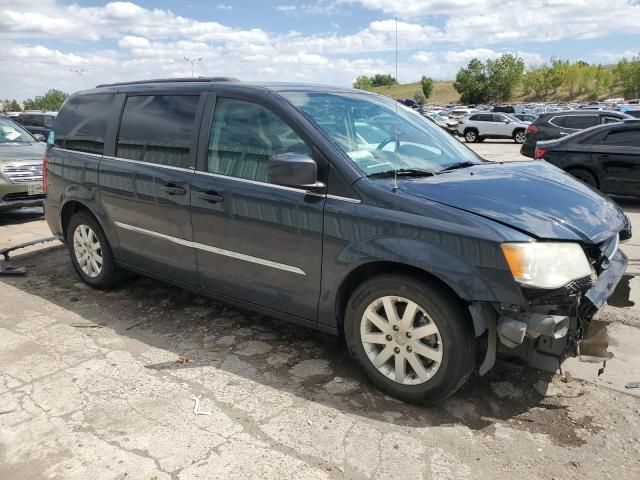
[550,328]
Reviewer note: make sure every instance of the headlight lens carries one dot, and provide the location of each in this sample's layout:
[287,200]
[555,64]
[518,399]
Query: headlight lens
[546,264]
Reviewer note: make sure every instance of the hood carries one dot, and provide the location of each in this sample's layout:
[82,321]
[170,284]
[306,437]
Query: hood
[533,197]
[11,152]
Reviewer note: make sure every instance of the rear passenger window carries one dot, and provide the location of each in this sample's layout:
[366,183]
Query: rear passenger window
[611,120]
[558,121]
[158,129]
[579,122]
[244,136]
[82,123]
[625,138]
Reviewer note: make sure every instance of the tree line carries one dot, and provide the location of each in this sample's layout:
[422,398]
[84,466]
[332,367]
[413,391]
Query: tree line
[51,101]
[498,79]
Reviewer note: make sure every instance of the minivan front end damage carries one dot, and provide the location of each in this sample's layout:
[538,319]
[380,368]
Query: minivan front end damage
[554,324]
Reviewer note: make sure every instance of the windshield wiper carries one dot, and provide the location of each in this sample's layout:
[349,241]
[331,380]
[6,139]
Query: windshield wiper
[458,165]
[403,172]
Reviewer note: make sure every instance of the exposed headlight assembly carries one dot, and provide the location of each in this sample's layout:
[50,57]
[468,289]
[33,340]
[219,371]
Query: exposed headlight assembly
[546,264]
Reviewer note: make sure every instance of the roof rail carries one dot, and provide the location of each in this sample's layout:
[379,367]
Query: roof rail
[171,80]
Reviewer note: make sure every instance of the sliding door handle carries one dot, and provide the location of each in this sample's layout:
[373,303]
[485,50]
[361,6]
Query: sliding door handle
[211,197]
[173,189]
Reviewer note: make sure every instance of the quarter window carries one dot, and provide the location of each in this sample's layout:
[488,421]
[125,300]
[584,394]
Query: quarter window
[579,122]
[158,129]
[82,123]
[624,138]
[611,120]
[244,136]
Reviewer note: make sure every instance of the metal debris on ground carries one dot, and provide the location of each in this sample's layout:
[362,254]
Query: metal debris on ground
[184,359]
[196,406]
[632,385]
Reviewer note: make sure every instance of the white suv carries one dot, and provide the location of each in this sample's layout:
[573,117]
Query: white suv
[478,126]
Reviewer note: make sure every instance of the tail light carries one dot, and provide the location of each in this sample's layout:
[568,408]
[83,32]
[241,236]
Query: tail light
[539,153]
[532,129]
[44,173]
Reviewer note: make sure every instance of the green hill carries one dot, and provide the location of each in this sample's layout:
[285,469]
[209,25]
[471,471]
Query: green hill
[443,93]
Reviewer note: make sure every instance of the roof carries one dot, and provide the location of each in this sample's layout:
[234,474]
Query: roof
[201,82]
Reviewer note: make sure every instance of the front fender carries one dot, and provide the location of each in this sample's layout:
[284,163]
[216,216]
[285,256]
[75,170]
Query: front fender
[473,269]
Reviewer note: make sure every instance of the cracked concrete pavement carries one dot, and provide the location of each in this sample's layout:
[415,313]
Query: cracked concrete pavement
[99,385]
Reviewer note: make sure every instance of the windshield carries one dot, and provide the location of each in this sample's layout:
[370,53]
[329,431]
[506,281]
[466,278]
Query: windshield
[11,132]
[366,128]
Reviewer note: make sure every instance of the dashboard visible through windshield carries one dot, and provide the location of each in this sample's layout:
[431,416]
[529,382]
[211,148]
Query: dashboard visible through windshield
[380,135]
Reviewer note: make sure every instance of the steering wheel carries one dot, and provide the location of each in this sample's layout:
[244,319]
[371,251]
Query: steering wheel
[385,142]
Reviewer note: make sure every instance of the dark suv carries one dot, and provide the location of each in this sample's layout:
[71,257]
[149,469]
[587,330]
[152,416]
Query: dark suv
[425,257]
[549,126]
[37,123]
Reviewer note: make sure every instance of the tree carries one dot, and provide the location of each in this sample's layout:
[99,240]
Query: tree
[427,86]
[471,82]
[627,73]
[380,80]
[362,83]
[13,106]
[52,100]
[419,97]
[557,73]
[503,75]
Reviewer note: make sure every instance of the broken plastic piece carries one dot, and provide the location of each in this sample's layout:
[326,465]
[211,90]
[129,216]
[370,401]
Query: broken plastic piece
[196,406]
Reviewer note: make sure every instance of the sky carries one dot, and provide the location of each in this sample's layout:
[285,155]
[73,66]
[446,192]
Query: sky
[68,45]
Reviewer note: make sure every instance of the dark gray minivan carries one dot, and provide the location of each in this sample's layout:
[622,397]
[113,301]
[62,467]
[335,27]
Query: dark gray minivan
[337,209]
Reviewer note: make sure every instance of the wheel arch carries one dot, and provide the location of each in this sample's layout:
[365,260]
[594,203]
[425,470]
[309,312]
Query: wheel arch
[379,267]
[584,168]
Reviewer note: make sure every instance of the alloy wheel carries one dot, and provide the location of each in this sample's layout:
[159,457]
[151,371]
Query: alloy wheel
[520,137]
[470,137]
[88,250]
[401,340]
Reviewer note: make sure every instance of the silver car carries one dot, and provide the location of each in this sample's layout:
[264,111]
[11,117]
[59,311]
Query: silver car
[478,126]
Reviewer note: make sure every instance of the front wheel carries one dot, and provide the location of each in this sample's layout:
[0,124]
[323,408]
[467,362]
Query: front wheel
[90,252]
[470,136]
[411,338]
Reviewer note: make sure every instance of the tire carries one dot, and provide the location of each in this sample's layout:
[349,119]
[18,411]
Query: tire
[471,136]
[86,241]
[584,176]
[519,136]
[438,328]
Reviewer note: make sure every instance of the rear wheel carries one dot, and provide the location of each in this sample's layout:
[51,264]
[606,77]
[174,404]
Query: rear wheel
[584,176]
[519,136]
[411,338]
[471,136]
[90,252]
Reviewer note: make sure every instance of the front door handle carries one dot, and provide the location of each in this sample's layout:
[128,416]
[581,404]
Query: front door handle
[211,197]
[173,189]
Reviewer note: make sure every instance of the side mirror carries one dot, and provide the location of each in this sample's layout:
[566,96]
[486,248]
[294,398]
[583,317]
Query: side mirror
[39,137]
[293,170]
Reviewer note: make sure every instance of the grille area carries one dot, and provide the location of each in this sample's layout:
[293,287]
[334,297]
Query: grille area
[23,173]
[9,197]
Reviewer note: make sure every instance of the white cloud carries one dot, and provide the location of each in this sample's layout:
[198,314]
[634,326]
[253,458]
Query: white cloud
[224,7]
[152,42]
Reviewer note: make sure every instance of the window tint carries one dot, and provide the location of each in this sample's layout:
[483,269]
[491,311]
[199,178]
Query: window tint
[558,121]
[82,123]
[499,118]
[245,135]
[158,129]
[611,120]
[626,138]
[485,117]
[579,122]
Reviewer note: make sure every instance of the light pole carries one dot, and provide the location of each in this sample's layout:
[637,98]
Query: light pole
[80,72]
[193,61]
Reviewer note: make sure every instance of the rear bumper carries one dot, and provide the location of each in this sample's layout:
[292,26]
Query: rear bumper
[528,150]
[22,203]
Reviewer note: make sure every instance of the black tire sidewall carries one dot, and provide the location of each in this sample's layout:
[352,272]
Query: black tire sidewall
[108,275]
[444,309]
[473,132]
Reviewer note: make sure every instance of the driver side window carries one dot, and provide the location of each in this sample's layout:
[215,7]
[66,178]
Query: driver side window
[244,135]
